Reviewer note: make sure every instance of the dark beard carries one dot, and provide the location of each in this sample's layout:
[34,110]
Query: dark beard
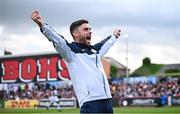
[82,40]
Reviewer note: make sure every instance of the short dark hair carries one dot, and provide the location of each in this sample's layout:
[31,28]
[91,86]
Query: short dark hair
[76,24]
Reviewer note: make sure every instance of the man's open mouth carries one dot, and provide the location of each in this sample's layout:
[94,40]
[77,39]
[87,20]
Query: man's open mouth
[88,38]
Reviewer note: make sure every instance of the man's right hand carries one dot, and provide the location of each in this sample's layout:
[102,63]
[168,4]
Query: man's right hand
[36,17]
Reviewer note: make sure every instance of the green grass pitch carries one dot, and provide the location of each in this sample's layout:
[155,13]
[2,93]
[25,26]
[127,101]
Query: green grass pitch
[120,110]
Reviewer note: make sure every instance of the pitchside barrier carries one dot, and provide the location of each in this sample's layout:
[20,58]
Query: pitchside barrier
[147,101]
[61,104]
[142,101]
[175,100]
[72,103]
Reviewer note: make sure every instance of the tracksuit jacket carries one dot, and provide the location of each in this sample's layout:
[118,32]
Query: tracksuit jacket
[84,64]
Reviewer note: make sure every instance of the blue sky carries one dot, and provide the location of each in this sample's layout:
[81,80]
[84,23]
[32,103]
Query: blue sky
[153,26]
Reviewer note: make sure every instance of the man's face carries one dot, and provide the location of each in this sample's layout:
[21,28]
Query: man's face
[84,33]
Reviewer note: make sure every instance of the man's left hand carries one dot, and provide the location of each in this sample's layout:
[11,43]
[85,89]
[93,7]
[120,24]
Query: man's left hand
[117,33]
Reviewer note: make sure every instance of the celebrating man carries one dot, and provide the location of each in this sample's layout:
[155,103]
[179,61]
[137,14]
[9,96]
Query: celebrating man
[84,63]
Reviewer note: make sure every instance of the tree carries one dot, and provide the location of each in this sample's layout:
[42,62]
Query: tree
[113,71]
[146,61]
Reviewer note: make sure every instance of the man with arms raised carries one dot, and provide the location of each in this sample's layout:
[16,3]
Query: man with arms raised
[84,63]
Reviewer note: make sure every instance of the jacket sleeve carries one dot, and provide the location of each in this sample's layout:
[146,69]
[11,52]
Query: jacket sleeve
[60,44]
[105,45]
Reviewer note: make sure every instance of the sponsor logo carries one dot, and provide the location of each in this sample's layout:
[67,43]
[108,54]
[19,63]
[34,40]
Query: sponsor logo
[20,103]
[28,69]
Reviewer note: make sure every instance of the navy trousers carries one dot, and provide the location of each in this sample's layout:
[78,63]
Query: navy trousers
[97,106]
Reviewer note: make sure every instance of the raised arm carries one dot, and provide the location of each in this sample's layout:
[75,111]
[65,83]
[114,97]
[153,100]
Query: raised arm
[107,43]
[60,44]
[36,17]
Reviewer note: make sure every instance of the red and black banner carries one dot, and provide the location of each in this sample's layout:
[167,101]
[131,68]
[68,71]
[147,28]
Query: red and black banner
[31,68]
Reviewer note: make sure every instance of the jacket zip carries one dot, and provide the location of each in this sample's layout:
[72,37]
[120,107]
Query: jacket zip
[103,78]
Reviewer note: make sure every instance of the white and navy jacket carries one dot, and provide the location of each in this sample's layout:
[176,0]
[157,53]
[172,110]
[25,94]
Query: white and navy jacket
[84,65]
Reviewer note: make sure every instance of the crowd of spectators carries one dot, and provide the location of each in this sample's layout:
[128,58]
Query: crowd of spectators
[45,90]
[164,88]
[36,91]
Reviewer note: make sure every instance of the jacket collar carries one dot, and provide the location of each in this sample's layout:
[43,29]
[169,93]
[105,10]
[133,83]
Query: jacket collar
[83,46]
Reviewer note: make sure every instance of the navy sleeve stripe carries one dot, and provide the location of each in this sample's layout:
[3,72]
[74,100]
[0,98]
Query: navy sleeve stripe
[98,46]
